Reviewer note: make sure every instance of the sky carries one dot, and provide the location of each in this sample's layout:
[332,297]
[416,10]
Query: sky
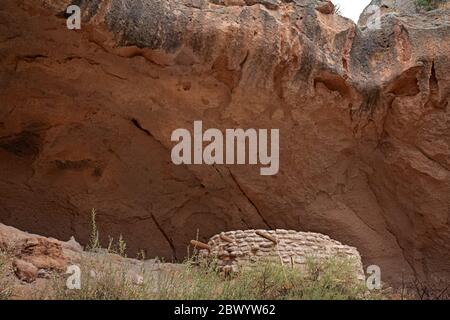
[351,8]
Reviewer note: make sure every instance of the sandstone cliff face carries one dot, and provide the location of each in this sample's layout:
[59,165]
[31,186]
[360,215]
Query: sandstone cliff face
[86,118]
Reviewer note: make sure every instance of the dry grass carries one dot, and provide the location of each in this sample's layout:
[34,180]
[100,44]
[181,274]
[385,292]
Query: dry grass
[108,282]
[325,279]
[6,286]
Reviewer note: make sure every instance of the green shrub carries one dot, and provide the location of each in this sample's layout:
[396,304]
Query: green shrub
[429,4]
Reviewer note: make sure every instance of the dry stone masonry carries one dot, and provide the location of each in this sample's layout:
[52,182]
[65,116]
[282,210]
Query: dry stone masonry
[235,249]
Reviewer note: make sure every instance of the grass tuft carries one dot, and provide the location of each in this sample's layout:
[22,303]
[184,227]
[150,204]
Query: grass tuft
[6,288]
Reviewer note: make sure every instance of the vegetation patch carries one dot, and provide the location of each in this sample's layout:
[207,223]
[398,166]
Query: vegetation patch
[6,288]
[331,279]
[430,4]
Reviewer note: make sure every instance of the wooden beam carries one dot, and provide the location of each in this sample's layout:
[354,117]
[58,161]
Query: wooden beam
[200,245]
[267,236]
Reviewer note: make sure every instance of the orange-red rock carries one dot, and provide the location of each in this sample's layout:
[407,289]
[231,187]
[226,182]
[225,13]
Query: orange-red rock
[86,118]
[24,270]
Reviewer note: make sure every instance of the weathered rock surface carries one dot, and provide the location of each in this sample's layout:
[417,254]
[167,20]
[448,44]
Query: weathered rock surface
[35,258]
[86,118]
[36,255]
[25,271]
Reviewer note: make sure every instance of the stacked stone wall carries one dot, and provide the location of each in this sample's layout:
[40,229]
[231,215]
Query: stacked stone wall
[236,249]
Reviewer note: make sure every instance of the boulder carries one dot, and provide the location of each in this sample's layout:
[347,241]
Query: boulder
[325,7]
[25,271]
